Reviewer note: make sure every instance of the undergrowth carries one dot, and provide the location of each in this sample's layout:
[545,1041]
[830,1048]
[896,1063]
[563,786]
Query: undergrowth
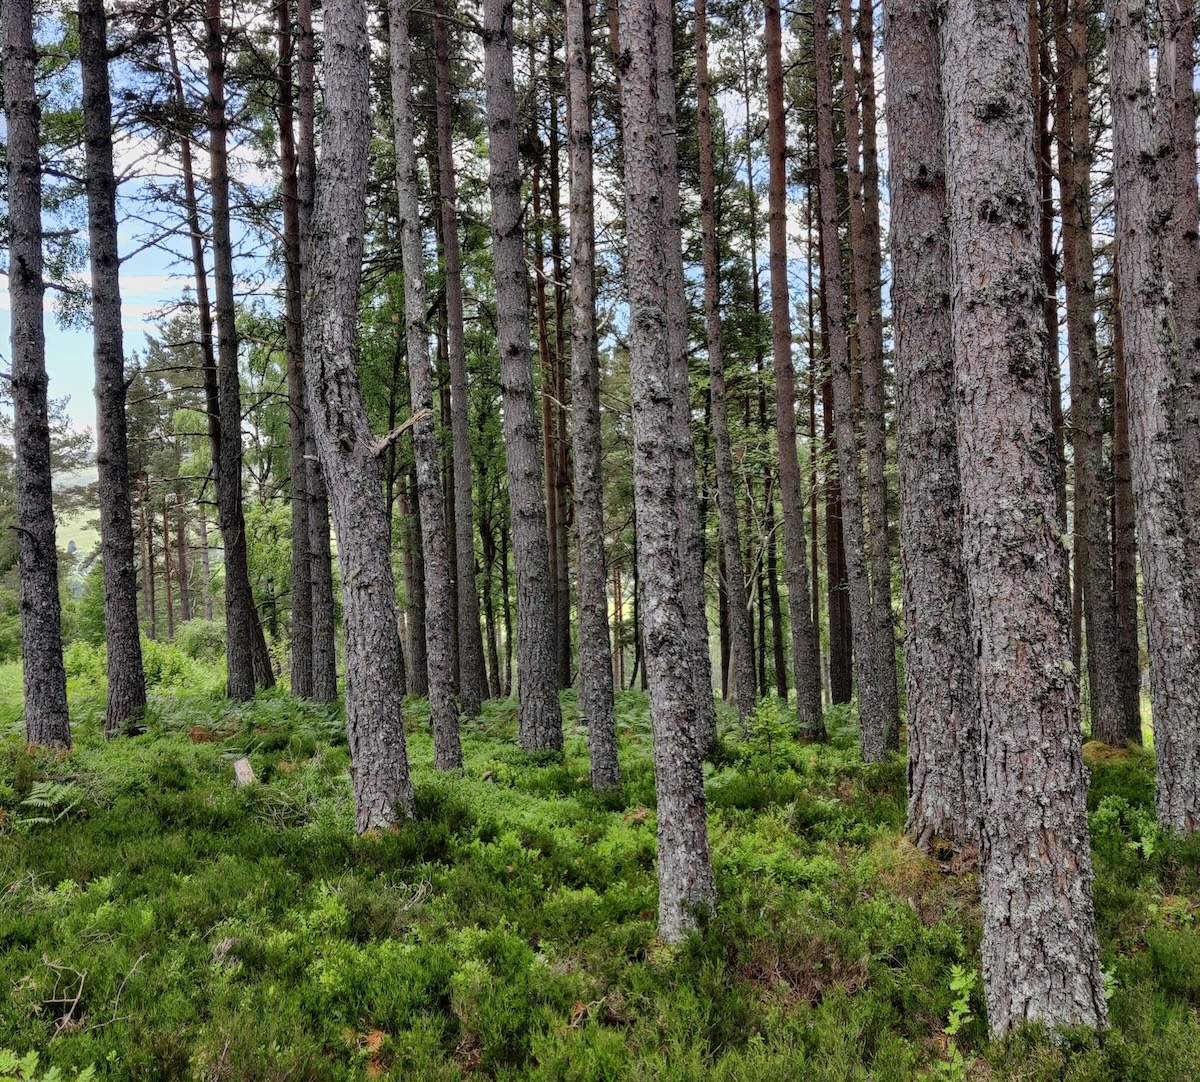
[157,923]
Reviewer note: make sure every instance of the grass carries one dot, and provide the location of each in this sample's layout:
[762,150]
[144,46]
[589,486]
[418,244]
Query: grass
[158,924]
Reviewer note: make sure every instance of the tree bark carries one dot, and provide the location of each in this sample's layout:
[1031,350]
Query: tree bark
[595,651]
[806,664]
[1040,954]
[1170,576]
[374,706]
[939,668]
[440,615]
[871,706]
[540,715]
[472,681]
[181,558]
[44,677]
[126,699]
[686,889]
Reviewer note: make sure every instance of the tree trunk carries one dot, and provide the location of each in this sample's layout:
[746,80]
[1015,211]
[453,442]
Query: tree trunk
[418,657]
[181,558]
[691,540]
[338,419]
[806,663]
[540,715]
[126,702]
[686,889]
[440,615]
[166,521]
[741,644]
[44,677]
[472,687]
[595,652]
[1145,208]
[301,674]
[205,568]
[1040,954]
[939,656]
[871,706]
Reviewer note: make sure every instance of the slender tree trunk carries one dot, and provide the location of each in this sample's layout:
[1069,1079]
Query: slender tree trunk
[871,706]
[301,674]
[470,649]
[44,677]
[181,558]
[1145,208]
[595,652]
[374,706]
[506,607]
[205,568]
[126,702]
[167,570]
[806,662]
[1040,954]
[691,541]
[540,715]
[418,657]
[440,615]
[147,529]
[741,644]
[686,887]
[939,656]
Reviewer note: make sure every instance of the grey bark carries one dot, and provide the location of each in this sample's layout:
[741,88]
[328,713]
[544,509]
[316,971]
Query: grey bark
[337,417]
[440,612]
[871,705]
[939,656]
[691,541]
[1040,953]
[806,664]
[126,701]
[741,643]
[595,650]
[44,678]
[1171,579]
[472,678]
[540,714]
[301,674]
[686,889]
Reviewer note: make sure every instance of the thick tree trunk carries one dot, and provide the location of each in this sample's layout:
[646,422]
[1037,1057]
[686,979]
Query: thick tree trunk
[871,705]
[540,715]
[1040,954]
[1171,578]
[126,702]
[440,615]
[374,705]
[939,656]
[806,663]
[595,652]
[691,540]
[741,644]
[686,889]
[472,680]
[44,677]
[301,673]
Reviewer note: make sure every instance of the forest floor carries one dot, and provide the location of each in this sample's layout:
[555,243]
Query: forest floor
[158,923]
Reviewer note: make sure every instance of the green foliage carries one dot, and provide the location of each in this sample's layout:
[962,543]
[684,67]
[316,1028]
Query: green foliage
[14,1068]
[201,640]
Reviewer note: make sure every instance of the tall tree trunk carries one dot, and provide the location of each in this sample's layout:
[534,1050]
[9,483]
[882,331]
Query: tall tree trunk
[741,642]
[686,888]
[126,702]
[241,622]
[868,316]
[1171,578]
[181,557]
[1041,958]
[440,614]
[871,707]
[374,706]
[939,656]
[319,547]
[147,531]
[540,715]
[418,657]
[205,569]
[806,662]
[44,677]
[1093,553]
[472,688]
[691,540]
[595,652]
[166,520]
[301,673]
